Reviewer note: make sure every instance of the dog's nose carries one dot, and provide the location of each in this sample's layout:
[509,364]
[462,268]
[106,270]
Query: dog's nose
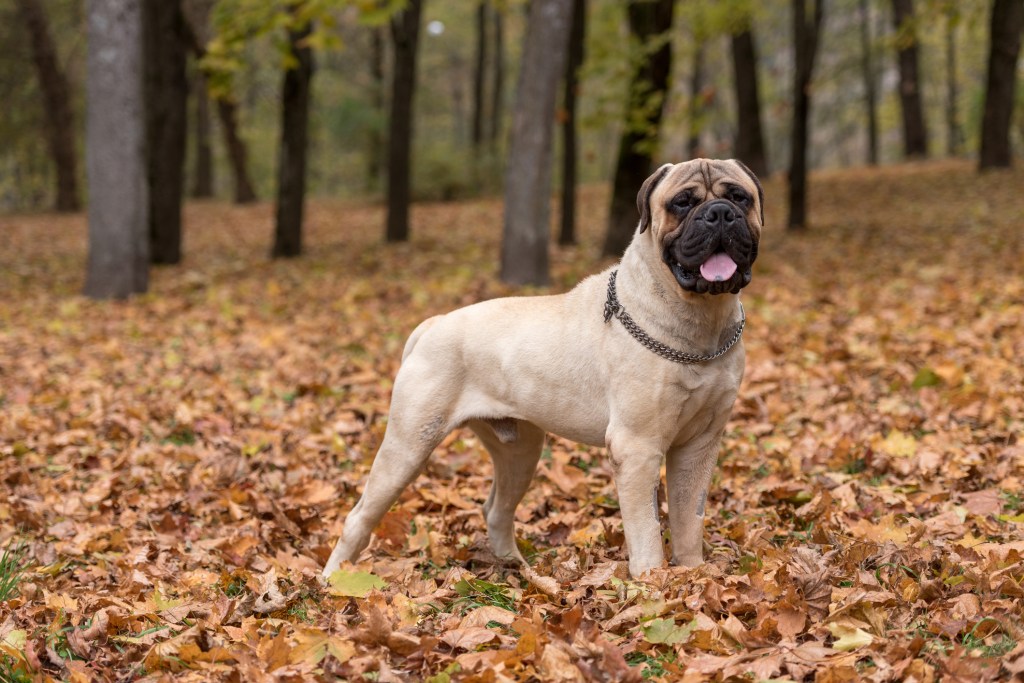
[719,214]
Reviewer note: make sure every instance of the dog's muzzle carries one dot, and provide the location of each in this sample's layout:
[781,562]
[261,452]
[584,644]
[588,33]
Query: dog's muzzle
[714,251]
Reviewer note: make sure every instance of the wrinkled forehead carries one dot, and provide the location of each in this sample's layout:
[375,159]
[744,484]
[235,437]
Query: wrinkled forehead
[704,175]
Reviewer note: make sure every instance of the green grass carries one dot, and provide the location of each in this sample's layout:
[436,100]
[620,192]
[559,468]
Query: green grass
[12,569]
[13,672]
[653,664]
[475,593]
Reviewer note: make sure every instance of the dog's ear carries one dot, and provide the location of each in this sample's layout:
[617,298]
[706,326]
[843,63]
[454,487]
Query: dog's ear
[760,190]
[643,197]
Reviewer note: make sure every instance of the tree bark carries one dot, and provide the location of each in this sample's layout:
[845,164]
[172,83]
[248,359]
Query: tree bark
[238,155]
[696,106]
[498,78]
[1004,49]
[115,151]
[165,49]
[915,133]
[749,138]
[577,36]
[648,22]
[954,133]
[405,28]
[479,74]
[375,135]
[805,39]
[868,76]
[296,91]
[60,124]
[202,187]
[524,248]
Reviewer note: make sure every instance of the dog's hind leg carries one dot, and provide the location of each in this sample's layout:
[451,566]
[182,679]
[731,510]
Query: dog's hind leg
[515,447]
[412,434]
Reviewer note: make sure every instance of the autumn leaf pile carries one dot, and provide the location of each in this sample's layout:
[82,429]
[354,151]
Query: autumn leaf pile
[175,469]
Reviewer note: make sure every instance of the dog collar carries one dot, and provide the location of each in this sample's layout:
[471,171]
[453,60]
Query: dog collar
[612,308]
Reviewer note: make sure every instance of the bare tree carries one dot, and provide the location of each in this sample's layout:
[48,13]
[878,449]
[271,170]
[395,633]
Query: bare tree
[296,92]
[479,74]
[165,50]
[498,78]
[375,135]
[238,153]
[954,133]
[696,105]
[58,116]
[805,40]
[524,248]
[202,187]
[577,34]
[1004,49]
[868,75]
[115,139]
[649,24]
[915,133]
[749,138]
[405,29]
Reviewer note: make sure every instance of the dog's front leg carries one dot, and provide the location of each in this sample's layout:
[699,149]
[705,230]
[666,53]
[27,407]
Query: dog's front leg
[636,464]
[689,468]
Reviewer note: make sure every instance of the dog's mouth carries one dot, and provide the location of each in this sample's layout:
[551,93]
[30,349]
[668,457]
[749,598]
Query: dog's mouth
[719,274]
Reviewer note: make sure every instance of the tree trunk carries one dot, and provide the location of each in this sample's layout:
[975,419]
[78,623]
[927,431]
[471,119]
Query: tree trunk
[115,139]
[375,134]
[696,87]
[60,125]
[524,248]
[405,28]
[954,133]
[165,50]
[915,134]
[479,74]
[498,77]
[1004,49]
[749,138]
[648,22]
[868,76]
[202,187]
[238,155]
[805,39]
[291,159]
[577,36]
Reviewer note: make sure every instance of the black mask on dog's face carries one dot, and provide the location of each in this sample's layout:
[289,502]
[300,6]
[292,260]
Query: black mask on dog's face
[711,215]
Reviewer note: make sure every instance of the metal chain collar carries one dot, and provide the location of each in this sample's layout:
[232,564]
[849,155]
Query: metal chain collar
[612,308]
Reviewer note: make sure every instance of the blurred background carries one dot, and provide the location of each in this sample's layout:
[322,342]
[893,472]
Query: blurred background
[664,79]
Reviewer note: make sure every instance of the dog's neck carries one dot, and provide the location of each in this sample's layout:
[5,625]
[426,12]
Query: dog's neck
[699,323]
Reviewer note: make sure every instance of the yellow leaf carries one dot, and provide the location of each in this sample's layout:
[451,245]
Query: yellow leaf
[353,584]
[897,444]
[848,637]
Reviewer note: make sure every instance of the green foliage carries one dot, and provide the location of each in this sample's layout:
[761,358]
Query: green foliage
[479,593]
[12,567]
[237,23]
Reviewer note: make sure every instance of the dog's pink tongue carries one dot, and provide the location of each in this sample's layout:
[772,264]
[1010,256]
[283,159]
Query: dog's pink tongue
[718,268]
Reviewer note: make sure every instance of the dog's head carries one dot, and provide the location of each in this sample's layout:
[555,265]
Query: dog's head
[706,217]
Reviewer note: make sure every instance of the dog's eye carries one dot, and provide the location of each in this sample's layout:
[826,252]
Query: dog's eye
[682,202]
[739,197]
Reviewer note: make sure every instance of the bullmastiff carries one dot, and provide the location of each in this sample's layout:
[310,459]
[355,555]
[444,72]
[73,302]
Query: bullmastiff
[644,358]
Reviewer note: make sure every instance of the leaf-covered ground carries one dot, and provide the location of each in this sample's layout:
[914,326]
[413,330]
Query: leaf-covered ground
[180,465]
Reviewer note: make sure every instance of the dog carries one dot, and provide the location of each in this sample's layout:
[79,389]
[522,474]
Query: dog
[645,358]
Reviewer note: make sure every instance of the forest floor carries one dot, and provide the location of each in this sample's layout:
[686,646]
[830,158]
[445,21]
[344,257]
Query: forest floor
[178,466]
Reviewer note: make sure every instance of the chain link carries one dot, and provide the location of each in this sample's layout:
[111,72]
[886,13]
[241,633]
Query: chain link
[612,308]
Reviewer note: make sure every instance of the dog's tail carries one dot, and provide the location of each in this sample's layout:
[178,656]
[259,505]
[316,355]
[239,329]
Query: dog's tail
[417,333]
